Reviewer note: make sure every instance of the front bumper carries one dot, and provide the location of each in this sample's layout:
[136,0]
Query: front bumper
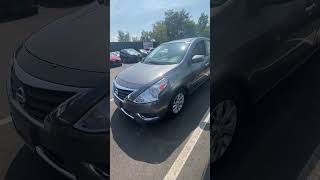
[147,112]
[66,149]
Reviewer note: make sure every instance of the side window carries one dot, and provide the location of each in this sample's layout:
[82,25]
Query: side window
[208,48]
[199,49]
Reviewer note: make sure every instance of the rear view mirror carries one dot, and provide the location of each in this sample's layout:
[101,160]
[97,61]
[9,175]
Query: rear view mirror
[197,58]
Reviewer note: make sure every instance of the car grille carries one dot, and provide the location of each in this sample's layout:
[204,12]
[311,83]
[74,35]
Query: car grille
[39,102]
[122,93]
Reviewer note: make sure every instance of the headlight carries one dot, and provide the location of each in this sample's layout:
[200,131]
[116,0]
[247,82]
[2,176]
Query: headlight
[152,93]
[95,120]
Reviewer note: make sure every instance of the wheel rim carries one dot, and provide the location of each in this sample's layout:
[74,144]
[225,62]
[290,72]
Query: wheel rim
[224,118]
[178,103]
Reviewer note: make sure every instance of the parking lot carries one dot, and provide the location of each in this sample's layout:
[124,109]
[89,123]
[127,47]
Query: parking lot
[158,150]
[17,161]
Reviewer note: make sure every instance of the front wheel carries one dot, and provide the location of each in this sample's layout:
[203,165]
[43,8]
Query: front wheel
[224,122]
[177,103]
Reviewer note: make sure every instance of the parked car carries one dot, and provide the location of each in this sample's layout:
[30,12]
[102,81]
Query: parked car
[158,86]
[130,56]
[150,50]
[117,53]
[143,52]
[13,9]
[115,60]
[256,45]
[58,98]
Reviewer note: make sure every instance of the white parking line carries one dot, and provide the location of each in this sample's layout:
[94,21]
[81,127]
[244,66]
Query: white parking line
[178,164]
[5,121]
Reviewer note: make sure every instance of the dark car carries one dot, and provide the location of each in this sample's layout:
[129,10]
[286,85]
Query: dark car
[256,45]
[58,97]
[157,86]
[143,52]
[130,56]
[150,50]
[13,9]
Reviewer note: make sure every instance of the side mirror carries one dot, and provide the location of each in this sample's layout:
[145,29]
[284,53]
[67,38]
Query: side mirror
[197,59]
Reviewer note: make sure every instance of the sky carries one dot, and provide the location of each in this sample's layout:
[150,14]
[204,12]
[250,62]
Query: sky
[133,16]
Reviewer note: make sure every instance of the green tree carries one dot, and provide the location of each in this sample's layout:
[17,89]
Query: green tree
[203,27]
[146,36]
[135,39]
[179,24]
[159,32]
[176,25]
[123,37]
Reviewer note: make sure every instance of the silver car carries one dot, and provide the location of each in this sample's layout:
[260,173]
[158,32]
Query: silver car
[158,85]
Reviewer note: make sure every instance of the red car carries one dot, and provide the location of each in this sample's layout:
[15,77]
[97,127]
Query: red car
[115,59]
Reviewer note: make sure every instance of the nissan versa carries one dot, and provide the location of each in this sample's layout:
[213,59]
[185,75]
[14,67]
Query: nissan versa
[256,45]
[157,86]
[58,97]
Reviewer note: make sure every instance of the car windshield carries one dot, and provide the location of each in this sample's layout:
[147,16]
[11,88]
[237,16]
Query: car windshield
[142,50]
[170,53]
[132,51]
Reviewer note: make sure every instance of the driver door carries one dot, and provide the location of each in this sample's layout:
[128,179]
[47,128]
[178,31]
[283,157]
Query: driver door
[199,68]
[291,40]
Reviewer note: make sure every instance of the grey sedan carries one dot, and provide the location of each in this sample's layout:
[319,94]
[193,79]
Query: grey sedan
[157,86]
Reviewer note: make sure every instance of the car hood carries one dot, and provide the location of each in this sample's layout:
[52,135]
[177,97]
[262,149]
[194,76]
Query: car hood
[75,41]
[142,74]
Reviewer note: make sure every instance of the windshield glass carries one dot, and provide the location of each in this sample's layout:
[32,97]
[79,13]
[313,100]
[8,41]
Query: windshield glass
[132,51]
[115,53]
[171,53]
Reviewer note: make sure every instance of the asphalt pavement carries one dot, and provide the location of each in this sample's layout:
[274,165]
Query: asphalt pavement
[162,150]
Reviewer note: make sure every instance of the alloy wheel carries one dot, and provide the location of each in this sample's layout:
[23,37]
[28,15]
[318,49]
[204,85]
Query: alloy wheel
[178,103]
[224,122]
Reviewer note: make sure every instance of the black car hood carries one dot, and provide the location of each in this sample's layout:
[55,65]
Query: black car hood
[76,41]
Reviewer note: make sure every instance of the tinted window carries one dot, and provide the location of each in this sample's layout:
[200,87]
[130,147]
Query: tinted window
[132,51]
[199,49]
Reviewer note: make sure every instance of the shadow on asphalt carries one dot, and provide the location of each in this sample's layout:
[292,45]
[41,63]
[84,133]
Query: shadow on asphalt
[27,165]
[154,143]
[281,134]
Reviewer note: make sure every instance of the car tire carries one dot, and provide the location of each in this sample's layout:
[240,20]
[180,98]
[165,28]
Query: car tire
[177,102]
[229,109]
